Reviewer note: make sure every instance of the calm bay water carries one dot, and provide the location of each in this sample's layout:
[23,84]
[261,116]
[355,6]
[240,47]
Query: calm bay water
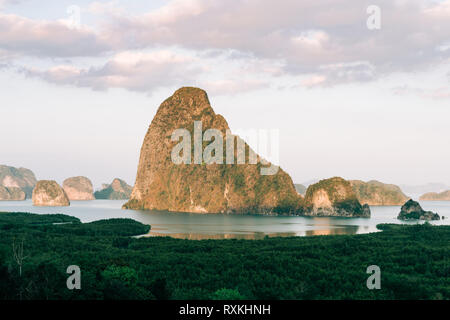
[223,226]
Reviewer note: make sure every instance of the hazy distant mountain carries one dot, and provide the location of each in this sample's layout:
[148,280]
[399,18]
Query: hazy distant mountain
[301,189]
[310,182]
[418,190]
[435,196]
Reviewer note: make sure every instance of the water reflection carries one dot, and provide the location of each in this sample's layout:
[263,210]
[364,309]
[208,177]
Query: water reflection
[201,236]
[341,230]
[223,226]
[333,231]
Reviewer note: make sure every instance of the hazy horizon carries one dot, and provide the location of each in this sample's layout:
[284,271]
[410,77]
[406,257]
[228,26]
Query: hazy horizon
[78,95]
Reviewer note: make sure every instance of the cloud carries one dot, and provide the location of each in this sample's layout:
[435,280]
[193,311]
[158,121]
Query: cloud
[440,10]
[110,9]
[136,71]
[234,86]
[29,37]
[325,42]
[358,71]
[308,37]
[176,10]
[149,71]
[311,40]
[4,3]
[314,81]
[440,93]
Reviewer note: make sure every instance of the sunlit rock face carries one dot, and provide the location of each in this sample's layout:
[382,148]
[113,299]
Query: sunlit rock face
[334,197]
[11,194]
[78,188]
[49,193]
[204,187]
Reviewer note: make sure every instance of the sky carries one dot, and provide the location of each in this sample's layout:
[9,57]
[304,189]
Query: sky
[356,91]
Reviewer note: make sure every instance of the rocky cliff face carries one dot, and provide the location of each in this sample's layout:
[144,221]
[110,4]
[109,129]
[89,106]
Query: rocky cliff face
[375,193]
[21,178]
[78,188]
[10,194]
[204,187]
[334,197]
[49,194]
[117,190]
[412,210]
[435,196]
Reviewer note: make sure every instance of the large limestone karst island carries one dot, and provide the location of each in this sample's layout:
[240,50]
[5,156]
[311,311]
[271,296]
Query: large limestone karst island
[48,193]
[375,193]
[12,179]
[200,186]
[334,197]
[78,188]
[203,188]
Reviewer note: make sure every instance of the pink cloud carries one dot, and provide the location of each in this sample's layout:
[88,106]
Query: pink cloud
[48,38]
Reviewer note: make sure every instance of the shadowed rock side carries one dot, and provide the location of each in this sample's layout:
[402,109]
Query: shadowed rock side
[435,196]
[21,178]
[48,193]
[334,197]
[412,210]
[375,193]
[78,188]
[203,188]
[117,190]
[11,194]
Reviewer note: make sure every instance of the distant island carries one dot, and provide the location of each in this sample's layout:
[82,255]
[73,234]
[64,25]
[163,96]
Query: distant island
[436,196]
[412,210]
[334,197]
[11,194]
[78,188]
[117,190]
[16,183]
[375,193]
[48,193]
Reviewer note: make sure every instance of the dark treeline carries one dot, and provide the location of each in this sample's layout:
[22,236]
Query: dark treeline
[35,251]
